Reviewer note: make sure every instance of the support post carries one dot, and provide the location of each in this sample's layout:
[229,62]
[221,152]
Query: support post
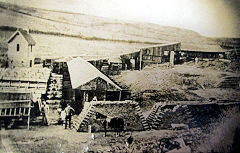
[89,129]
[171,58]
[120,95]
[160,54]
[140,60]
[29,114]
[28,121]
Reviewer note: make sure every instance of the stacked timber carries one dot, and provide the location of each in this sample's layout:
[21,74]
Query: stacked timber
[54,96]
[55,87]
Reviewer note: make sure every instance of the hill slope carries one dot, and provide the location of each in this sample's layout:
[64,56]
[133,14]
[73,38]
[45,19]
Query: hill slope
[63,33]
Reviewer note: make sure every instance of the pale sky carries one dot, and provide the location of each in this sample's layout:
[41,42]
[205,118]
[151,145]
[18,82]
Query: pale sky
[214,18]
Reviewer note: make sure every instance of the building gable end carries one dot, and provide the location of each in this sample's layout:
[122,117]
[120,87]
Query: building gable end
[24,35]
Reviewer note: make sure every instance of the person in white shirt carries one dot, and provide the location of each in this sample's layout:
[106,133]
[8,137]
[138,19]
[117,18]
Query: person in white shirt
[68,110]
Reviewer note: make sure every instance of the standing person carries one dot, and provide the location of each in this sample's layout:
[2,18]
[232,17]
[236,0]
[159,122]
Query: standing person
[45,109]
[94,98]
[129,140]
[68,110]
[63,116]
[63,104]
[196,60]
[105,127]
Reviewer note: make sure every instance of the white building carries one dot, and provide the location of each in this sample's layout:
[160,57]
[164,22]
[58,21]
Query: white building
[20,49]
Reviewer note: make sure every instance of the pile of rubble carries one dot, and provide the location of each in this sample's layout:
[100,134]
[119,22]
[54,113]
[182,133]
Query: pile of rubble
[151,141]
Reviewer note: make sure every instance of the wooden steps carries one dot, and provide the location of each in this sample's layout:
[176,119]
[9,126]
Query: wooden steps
[144,122]
[230,82]
[80,121]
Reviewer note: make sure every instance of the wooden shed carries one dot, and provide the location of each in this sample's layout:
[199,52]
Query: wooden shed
[155,54]
[87,82]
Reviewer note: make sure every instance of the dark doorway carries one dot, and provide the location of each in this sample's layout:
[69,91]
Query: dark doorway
[116,124]
[112,95]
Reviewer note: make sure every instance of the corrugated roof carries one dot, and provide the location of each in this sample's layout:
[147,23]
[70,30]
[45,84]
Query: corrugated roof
[82,72]
[26,35]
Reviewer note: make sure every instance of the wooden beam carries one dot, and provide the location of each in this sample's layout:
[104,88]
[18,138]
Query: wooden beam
[140,59]
[120,95]
[171,62]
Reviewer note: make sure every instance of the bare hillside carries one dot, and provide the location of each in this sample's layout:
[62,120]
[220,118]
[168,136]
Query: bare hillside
[73,33]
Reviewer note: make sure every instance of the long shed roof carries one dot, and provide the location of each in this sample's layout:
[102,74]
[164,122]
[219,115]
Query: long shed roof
[82,72]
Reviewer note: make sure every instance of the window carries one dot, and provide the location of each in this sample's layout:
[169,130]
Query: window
[30,63]
[18,47]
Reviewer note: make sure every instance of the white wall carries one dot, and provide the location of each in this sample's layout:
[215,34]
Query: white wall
[23,56]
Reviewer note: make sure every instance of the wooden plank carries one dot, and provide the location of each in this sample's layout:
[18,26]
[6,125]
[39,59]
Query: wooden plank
[20,110]
[15,111]
[24,110]
[28,123]
[15,101]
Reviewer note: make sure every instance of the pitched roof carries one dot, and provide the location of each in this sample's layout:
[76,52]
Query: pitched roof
[82,72]
[26,36]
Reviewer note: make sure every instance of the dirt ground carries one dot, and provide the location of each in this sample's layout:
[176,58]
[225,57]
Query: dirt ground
[155,83]
[54,138]
[185,82]
[44,139]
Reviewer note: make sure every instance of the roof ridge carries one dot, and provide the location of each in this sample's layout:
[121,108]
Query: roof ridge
[25,35]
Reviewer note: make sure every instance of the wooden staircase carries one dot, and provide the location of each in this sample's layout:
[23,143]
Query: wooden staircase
[155,116]
[80,122]
[230,82]
[144,122]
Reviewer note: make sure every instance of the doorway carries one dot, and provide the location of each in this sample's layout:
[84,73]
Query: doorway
[116,124]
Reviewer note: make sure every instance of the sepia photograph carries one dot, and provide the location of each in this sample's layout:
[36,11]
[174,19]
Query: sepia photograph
[119,76]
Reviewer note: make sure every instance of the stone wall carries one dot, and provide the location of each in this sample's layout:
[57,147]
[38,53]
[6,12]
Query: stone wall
[128,111]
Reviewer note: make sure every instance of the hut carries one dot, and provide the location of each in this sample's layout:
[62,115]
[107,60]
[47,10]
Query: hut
[201,51]
[155,54]
[83,82]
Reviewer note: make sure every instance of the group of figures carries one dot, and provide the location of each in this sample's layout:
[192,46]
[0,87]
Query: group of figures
[65,115]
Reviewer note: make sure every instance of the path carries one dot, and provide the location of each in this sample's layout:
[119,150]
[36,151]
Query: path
[5,143]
